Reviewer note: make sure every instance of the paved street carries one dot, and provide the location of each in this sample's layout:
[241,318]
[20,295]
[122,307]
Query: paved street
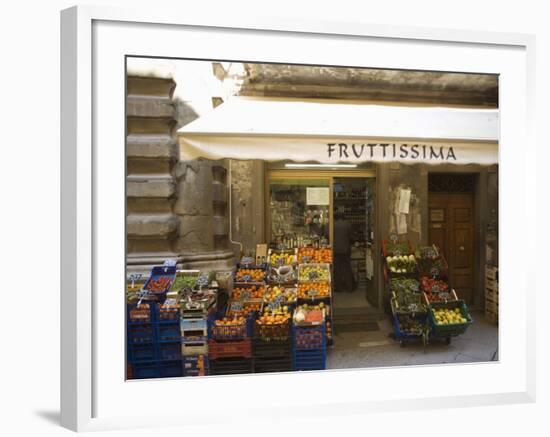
[377,349]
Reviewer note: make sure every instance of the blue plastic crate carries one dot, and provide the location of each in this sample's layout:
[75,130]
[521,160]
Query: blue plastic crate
[168,331]
[170,369]
[146,370]
[170,351]
[141,333]
[310,337]
[312,359]
[142,352]
[158,272]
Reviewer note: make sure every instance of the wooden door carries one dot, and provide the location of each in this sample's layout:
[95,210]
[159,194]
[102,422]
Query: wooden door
[452,228]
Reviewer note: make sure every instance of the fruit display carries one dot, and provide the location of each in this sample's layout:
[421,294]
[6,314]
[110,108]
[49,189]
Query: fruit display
[273,324]
[230,328]
[282,258]
[169,310]
[313,290]
[448,316]
[243,309]
[254,291]
[283,295]
[401,263]
[309,315]
[250,275]
[159,284]
[141,313]
[315,255]
[313,273]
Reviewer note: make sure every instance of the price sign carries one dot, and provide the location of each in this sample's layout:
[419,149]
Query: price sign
[280,261]
[415,287]
[306,258]
[246,294]
[236,306]
[434,271]
[397,252]
[134,277]
[435,289]
[246,278]
[393,238]
[312,293]
[273,306]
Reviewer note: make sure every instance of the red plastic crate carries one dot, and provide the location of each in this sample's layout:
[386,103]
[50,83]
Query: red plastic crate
[229,349]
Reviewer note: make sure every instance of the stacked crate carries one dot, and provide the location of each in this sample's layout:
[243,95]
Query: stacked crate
[491,294]
[153,341]
[272,346]
[230,347]
[194,344]
[310,347]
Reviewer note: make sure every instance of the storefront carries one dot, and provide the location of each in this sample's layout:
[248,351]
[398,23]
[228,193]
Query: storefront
[323,158]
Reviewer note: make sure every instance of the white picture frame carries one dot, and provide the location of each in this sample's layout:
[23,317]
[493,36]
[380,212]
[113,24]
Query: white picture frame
[94,41]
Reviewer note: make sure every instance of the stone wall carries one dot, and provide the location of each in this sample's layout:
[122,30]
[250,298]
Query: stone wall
[150,157]
[175,209]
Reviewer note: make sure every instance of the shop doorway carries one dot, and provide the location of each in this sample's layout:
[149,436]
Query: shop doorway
[301,210]
[451,219]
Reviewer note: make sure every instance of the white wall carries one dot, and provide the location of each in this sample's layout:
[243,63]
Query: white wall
[29,85]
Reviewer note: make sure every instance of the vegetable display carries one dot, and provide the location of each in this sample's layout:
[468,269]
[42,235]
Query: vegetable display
[401,263]
[184,281]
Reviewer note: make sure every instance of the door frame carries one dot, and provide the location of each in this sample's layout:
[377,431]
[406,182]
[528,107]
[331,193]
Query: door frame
[330,175]
[480,219]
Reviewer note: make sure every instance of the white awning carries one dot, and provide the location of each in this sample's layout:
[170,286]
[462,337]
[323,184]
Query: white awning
[329,133]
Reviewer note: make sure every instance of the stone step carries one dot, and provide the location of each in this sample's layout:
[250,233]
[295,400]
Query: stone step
[150,125]
[149,106]
[151,146]
[150,86]
[150,185]
[161,226]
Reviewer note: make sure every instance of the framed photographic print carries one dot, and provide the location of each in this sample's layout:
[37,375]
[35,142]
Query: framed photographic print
[336,211]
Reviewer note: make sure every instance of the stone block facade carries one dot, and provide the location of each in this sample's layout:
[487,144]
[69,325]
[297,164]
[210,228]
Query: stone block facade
[171,212]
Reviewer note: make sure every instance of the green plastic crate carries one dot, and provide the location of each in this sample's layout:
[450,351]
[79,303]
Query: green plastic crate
[453,329]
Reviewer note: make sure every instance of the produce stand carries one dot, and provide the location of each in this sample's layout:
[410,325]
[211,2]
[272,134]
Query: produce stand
[409,325]
[448,330]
